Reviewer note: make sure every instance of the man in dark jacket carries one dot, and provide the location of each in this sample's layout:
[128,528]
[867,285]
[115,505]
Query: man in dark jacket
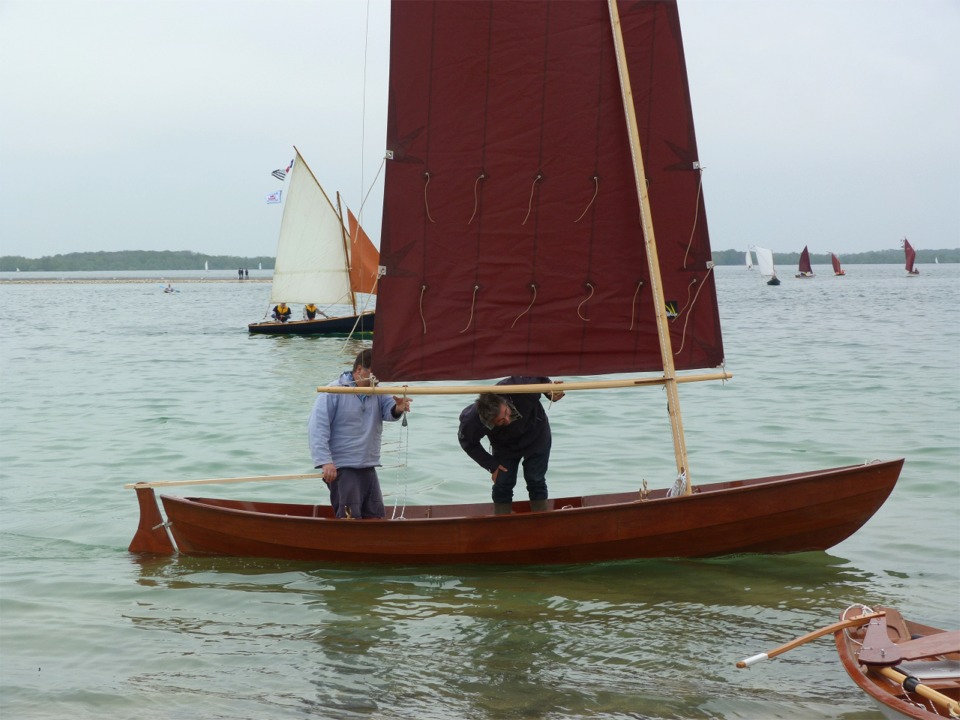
[518,429]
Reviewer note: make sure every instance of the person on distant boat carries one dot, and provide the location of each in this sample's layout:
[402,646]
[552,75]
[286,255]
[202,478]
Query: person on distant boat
[169,288]
[344,433]
[281,312]
[518,429]
[310,312]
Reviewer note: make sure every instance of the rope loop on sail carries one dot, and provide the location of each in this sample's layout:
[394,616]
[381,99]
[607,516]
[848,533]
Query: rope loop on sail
[423,289]
[476,196]
[426,202]
[596,189]
[533,189]
[696,213]
[633,305]
[687,303]
[691,303]
[532,300]
[584,302]
[473,304]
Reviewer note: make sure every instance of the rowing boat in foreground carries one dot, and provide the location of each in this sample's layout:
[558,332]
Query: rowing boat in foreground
[909,670]
[780,514]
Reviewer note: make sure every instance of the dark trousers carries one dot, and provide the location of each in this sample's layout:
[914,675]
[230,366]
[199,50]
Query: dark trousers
[535,463]
[356,493]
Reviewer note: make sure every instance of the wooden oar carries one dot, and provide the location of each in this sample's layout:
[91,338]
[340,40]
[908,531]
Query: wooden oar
[853,622]
[515,389]
[912,684]
[213,481]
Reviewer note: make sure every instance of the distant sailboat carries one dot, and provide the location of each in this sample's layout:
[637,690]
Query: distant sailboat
[765,262]
[806,270]
[911,256]
[749,260]
[319,263]
[837,270]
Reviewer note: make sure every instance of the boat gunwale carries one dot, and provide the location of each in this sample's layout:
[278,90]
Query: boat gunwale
[703,491]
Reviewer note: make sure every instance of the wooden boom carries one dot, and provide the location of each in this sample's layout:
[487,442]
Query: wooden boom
[517,389]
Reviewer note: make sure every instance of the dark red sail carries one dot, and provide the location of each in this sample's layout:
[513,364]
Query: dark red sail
[512,239]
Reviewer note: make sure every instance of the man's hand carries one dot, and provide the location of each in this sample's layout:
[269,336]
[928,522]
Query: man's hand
[557,394]
[329,473]
[493,475]
[401,405]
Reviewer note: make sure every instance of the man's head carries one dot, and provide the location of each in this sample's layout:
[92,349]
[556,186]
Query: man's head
[495,410]
[361,369]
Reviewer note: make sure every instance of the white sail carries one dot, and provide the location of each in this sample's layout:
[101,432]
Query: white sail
[765,260]
[749,260]
[311,266]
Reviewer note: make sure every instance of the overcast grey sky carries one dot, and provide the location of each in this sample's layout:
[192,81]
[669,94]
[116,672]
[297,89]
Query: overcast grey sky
[155,124]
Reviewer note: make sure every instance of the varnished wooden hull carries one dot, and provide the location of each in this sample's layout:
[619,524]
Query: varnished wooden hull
[786,513]
[938,672]
[320,326]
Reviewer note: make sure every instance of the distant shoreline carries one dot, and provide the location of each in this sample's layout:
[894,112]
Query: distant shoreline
[126,281]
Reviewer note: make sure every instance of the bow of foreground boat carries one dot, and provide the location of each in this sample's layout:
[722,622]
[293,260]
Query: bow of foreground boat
[786,513]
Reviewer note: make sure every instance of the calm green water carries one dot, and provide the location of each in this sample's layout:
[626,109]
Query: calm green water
[108,384]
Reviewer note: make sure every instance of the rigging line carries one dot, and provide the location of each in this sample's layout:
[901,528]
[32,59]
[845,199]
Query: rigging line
[403,449]
[423,289]
[532,301]
[696,215]
[596,189]
[476,199]
[533,189]
[381,271]
[633,305]
[683,335]
[363,101]
[585,300]
[426,203]
[383,161]
[473,304]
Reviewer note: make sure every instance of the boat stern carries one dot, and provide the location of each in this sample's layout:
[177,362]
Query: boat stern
[152,535]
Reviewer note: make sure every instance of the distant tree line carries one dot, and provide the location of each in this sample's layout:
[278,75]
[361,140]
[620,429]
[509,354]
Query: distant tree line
[154,260]
[131,260]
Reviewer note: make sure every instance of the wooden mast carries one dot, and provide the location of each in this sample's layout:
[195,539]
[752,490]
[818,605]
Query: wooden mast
[666,347]
[346,255]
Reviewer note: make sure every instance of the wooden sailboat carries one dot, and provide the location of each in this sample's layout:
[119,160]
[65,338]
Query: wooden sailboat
[908,670]
[517,244]
[319,262]
[835,261]
[765,263]
[911,256]
[806,270]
